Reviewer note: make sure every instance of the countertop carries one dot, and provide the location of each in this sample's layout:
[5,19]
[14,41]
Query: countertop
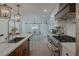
[7,48]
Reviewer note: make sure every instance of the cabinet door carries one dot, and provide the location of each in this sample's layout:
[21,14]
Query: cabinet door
[64,51]
[27,48]
[22,50]
[14,53]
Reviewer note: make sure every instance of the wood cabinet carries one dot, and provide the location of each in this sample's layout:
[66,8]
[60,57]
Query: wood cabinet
[22,50]
[66,11]
[14,53]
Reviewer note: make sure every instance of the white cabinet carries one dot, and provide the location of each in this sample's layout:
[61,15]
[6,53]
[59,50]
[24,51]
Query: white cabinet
[68,49]
[65,51]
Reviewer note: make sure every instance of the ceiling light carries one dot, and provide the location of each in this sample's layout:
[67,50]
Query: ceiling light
[18,15]
[5,11]
[45,10]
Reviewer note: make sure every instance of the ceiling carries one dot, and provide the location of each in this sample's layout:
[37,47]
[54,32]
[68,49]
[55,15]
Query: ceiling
[27,9]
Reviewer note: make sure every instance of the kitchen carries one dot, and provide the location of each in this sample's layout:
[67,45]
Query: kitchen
[39,29]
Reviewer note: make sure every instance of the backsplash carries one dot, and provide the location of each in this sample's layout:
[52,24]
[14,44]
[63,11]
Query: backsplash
[70,29]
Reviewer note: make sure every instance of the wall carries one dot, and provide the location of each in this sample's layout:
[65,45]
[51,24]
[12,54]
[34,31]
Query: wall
[69,27]
[31,22]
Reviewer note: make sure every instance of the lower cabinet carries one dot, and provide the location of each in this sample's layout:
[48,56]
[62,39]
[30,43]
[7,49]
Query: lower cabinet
[22,50]
[67,52]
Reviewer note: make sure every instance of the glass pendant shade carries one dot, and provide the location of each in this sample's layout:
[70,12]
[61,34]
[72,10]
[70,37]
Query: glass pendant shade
[18,15]
[5,11]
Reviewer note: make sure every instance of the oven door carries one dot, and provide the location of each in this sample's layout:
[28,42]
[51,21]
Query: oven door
[54,50]
[50,49]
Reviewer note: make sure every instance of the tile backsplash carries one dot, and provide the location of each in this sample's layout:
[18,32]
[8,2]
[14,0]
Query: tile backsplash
[71,29]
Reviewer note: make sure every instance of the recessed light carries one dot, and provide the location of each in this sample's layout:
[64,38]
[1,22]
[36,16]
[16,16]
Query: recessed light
[45,10]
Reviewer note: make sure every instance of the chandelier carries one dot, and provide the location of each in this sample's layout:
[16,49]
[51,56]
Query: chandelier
[18,15]
[5,11]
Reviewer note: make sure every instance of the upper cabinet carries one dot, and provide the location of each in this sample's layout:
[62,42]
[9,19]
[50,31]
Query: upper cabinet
[66,11]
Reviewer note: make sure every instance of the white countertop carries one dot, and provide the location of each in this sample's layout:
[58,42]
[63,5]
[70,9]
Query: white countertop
[7,48]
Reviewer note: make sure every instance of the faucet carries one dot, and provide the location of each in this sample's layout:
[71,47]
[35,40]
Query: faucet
[8,29]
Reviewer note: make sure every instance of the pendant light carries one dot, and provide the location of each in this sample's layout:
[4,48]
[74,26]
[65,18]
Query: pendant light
[18,15]
[5,11]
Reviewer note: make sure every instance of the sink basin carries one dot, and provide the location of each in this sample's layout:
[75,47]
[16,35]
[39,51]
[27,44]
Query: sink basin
[16,39]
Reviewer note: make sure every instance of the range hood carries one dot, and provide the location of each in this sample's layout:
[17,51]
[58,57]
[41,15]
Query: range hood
[67,12]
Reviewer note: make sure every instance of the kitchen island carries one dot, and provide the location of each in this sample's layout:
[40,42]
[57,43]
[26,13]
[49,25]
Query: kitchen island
[8,48]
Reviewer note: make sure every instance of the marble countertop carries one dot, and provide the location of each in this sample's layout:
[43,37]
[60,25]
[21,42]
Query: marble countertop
[7,48]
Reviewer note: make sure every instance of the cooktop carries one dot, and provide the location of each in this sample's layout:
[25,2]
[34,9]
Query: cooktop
[65,38]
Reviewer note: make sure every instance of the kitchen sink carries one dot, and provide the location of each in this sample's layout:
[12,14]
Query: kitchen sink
[16,39]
